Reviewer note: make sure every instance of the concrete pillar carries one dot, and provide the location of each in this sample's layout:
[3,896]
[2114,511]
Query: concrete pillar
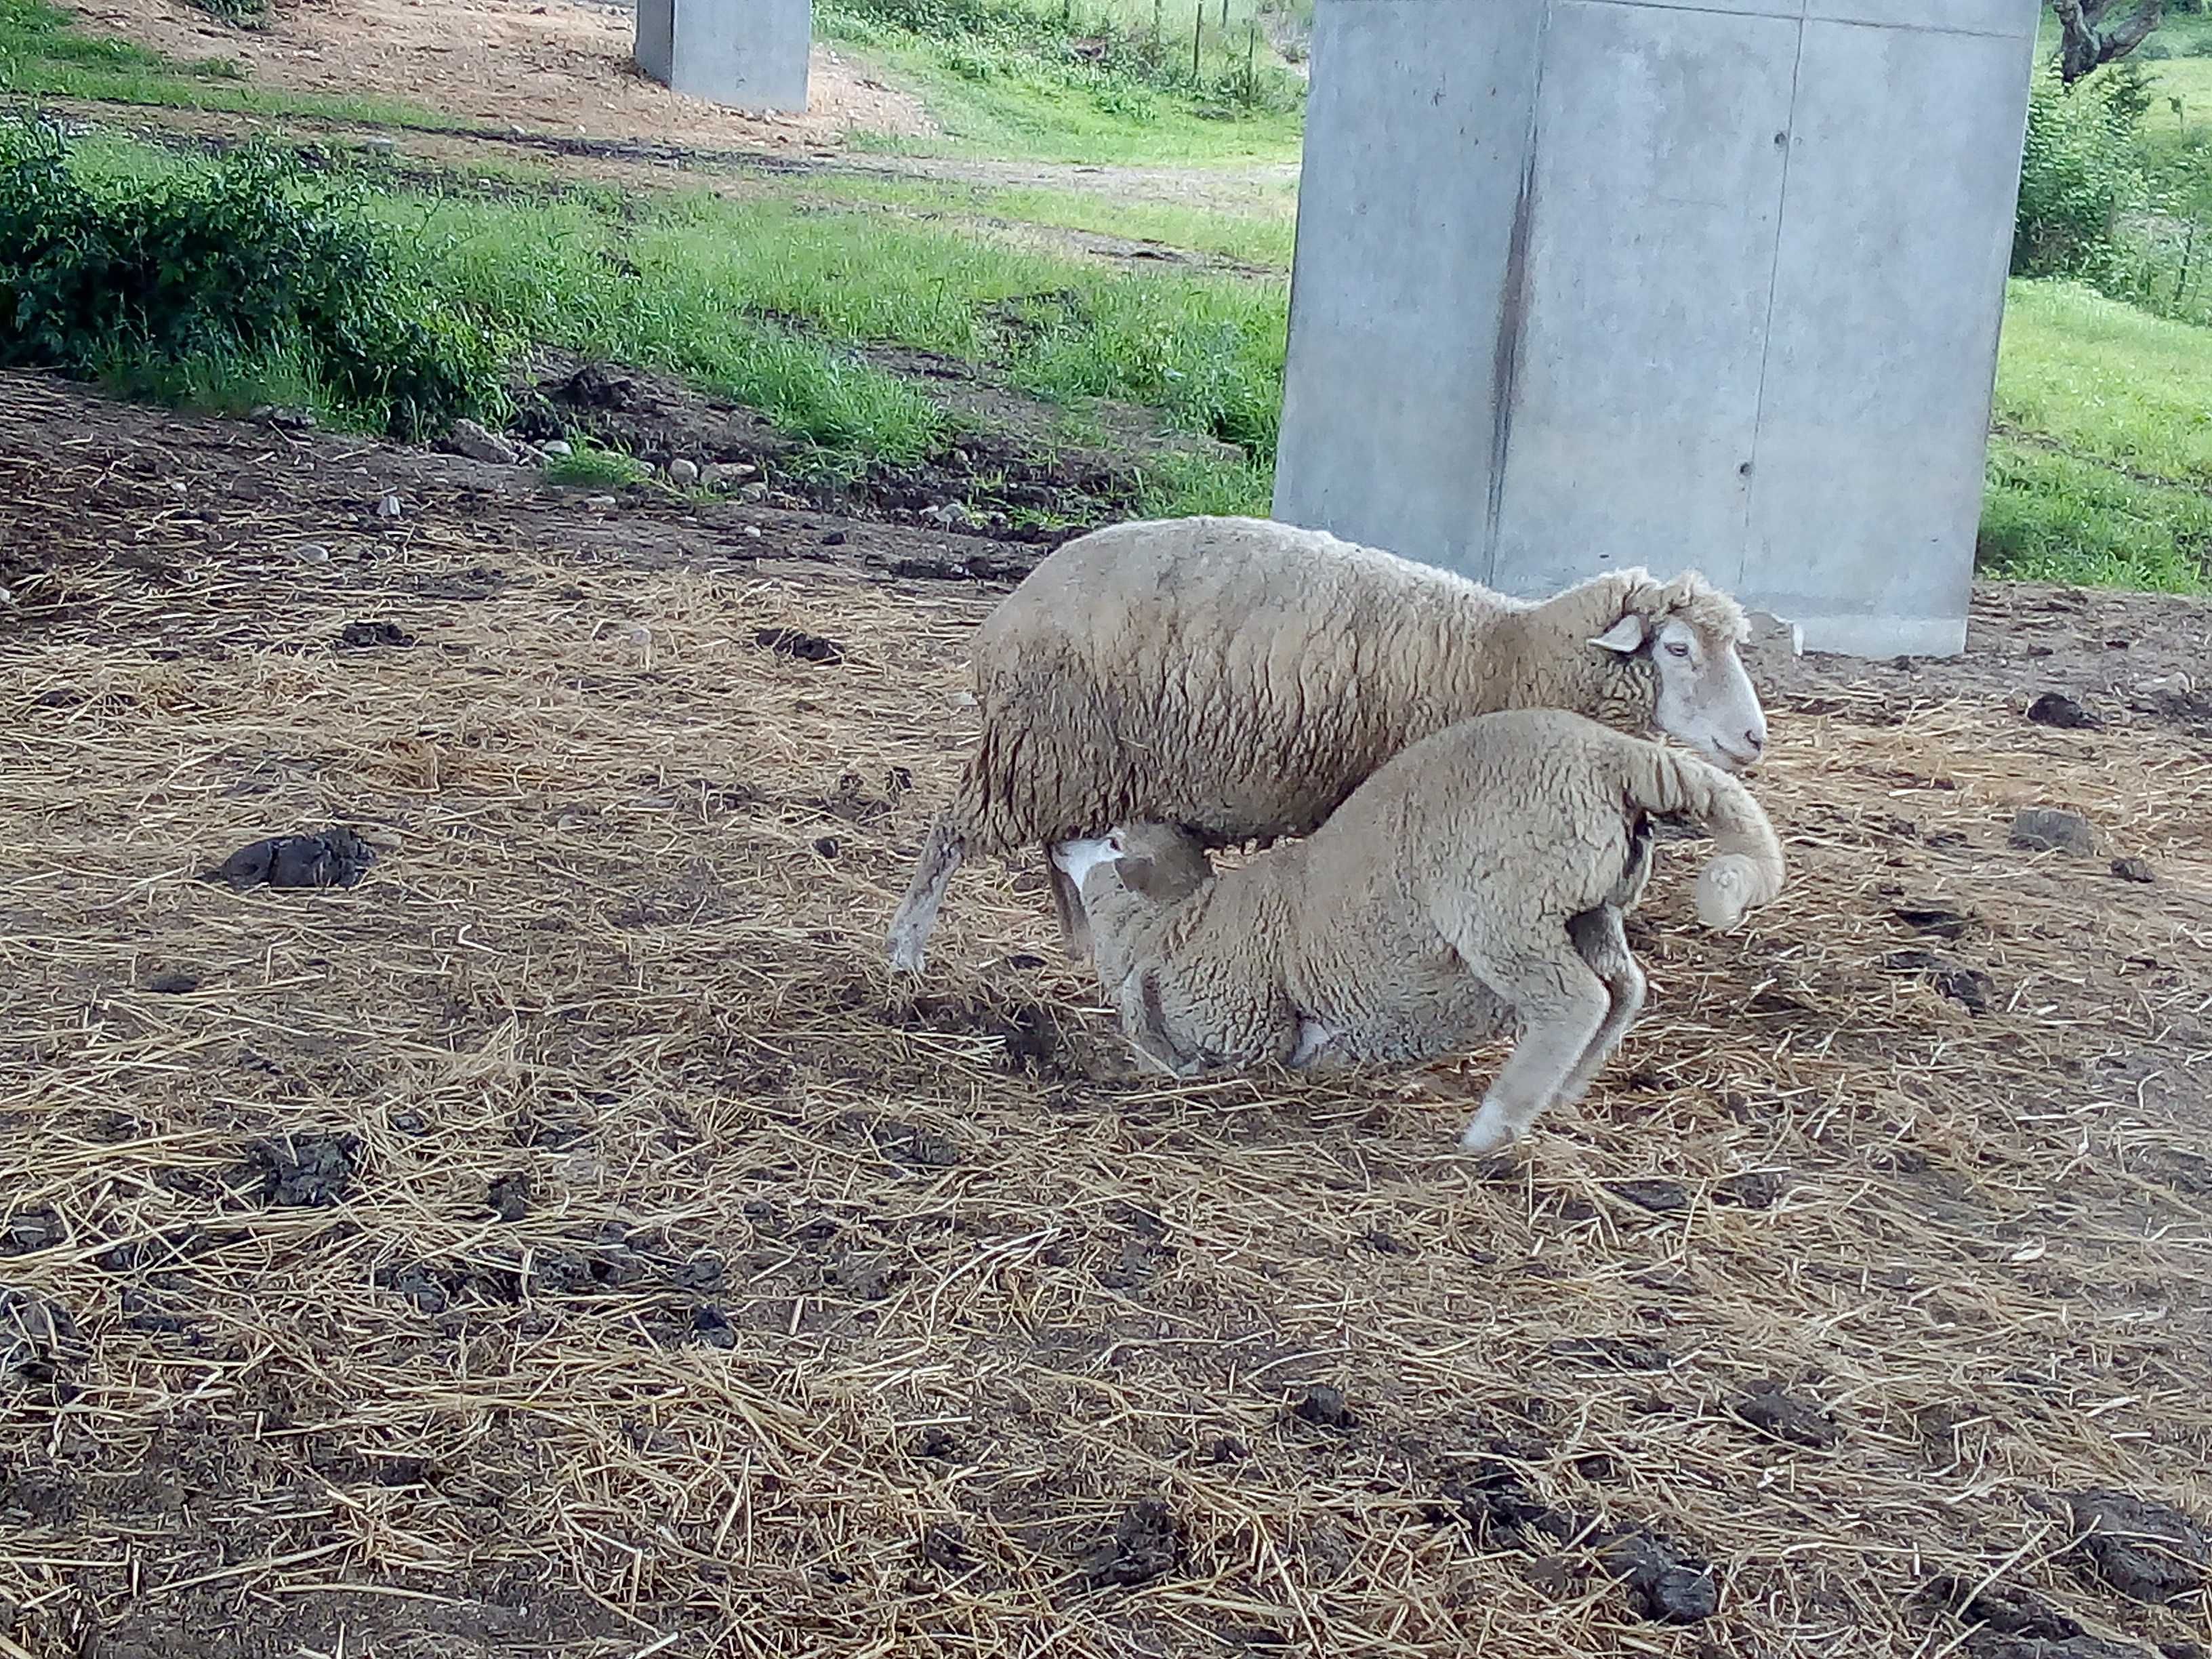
[749,54]
[1584,283]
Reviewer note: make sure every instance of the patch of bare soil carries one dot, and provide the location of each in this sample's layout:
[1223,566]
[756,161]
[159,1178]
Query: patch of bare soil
[558,1236]
[539,64]
[1006,473]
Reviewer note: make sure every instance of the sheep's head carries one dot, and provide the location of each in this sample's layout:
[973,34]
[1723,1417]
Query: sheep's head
[1690,634]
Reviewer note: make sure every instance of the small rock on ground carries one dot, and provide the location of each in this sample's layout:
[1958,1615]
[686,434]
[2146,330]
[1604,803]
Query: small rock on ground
[683,474]
[2133,870]
[510,1195]
[1659,1197]
[1323,1404]
[797,642]
[310,1171]
[728,475]
[2145,1551]
[2057,708]
[336,858]
[2047,830]
[1662,1585]
[471,438]
[371,635]
[1144,1546]
[1784,1416]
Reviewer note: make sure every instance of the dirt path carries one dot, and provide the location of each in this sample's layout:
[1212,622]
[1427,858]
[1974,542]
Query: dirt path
[557,80]
[558,67]
[569,1241]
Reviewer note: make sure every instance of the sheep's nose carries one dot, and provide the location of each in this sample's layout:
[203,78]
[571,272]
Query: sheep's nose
[1757,741]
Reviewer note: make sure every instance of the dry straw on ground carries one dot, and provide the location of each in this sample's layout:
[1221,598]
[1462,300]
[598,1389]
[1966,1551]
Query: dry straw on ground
[823,1317]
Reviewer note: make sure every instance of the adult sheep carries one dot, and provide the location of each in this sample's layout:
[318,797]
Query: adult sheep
[1477,881]
[1241,677]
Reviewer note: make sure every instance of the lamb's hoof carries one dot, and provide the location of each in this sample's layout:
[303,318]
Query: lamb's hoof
[906,959]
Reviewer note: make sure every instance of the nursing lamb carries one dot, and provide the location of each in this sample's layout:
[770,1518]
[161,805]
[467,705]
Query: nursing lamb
[1240,678]
[1476,881]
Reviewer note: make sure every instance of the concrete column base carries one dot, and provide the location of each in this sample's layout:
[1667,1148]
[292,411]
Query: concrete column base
[1710,283]
[748,54]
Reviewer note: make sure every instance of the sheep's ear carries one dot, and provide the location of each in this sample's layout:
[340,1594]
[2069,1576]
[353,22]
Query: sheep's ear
[1136,875]
[1625,636]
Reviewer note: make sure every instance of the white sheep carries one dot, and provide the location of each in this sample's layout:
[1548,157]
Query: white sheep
[1476,880]
[1241,677]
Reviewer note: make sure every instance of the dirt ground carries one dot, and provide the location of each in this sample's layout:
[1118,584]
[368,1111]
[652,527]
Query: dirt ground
[557,67]
[567,1240]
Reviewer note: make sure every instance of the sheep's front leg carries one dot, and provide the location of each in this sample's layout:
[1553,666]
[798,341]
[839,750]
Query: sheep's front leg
[1600,941]
[1562,1005]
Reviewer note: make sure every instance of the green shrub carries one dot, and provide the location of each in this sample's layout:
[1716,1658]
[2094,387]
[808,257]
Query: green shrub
[2078,174]
[243,259]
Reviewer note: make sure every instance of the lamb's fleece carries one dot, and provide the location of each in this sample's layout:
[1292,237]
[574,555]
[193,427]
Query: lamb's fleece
[1478,877]
[1241,677]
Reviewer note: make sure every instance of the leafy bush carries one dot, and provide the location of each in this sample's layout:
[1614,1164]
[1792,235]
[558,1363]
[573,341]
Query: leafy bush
[2079,173]
[243,259]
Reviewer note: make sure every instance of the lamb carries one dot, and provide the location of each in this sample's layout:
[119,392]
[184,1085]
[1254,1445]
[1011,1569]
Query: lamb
[1241,677]
[1478,879]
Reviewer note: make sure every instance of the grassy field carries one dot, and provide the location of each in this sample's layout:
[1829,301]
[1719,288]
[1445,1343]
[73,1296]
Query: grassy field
[1194,83]
[784,297]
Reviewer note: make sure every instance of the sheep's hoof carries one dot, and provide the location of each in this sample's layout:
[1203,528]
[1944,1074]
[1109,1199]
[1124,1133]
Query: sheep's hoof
[906,959]
[1488,1134]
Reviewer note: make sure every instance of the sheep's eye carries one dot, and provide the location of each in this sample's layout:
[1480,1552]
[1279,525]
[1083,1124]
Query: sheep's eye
[1676,648]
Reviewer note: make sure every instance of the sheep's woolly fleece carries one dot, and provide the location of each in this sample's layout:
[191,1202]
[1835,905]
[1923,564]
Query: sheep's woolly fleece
[1688,597]
[566,1241]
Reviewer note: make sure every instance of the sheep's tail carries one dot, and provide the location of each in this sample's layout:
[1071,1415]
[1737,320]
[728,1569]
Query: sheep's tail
[1746,869]
[941,853]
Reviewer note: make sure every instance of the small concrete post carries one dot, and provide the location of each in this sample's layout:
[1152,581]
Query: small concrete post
[749,54]
[1710,283]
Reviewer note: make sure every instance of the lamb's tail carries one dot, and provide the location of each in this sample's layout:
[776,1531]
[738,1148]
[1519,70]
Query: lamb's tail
[1746,869]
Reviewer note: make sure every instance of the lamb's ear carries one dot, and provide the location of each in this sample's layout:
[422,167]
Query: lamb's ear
[1136,875]
[1625,636]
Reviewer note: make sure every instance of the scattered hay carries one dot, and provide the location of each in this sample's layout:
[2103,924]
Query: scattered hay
[656,1276]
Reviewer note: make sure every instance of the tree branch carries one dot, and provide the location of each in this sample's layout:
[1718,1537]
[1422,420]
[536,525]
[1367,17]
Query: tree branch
[2086,44]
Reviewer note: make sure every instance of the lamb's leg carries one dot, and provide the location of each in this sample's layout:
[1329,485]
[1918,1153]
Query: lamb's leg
[1068,906]
[1562,1005]
[940,856]
[1600,941]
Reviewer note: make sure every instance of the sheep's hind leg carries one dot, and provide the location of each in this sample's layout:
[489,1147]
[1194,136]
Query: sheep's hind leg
[941,856]
[1562,1005]
[1067,907]
[1600,941]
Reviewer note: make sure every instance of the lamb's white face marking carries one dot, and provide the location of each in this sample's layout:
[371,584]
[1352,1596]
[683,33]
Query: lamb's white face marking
[1706,699]
[1077,859]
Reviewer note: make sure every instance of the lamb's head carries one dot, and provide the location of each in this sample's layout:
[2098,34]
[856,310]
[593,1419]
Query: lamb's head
[1159,863]
[1682,640]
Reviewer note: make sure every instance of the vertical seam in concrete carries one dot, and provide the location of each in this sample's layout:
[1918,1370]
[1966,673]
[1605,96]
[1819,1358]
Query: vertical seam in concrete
[1766,318]
[1512,311]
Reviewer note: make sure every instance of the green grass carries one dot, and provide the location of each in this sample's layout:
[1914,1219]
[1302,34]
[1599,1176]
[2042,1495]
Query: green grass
[753,300]
[2050,516]
[1084,82]
[590,466]
[2108,382]
[1263,238]
[774,304]
[2103,463]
